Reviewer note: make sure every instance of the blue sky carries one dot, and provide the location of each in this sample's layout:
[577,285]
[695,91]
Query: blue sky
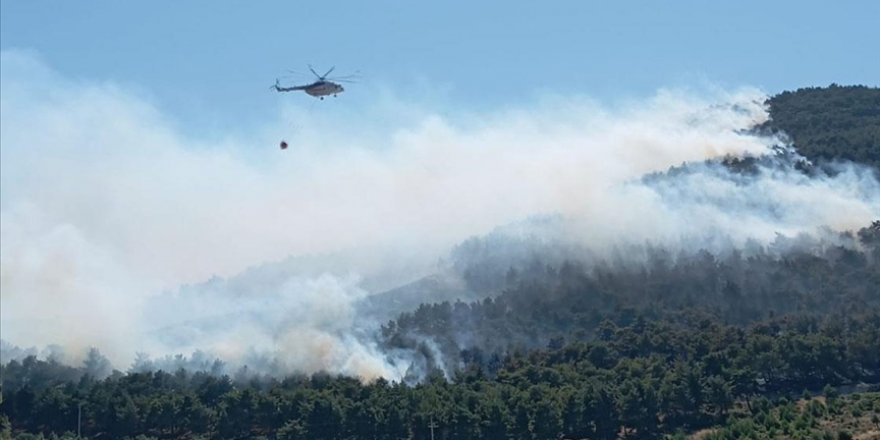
[209,64]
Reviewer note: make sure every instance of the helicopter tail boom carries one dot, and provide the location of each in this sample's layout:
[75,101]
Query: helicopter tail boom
[278,88]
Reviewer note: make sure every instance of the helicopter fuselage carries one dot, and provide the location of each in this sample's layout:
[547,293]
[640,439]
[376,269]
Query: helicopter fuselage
[323,88]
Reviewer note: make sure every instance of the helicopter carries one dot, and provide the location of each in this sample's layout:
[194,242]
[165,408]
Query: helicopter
[320,88]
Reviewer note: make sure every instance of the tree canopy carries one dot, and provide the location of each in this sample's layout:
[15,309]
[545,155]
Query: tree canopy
[828,123]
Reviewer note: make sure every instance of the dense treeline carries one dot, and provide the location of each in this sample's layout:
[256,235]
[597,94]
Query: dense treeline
[545,303]
[643,379]
[827,123]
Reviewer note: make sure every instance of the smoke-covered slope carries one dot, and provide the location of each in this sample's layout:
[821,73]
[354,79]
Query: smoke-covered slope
[602,188]
[555,285]
[647,303]
[572,301]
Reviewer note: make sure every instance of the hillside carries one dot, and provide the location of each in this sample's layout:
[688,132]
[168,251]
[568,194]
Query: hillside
[544,303]
[535,335]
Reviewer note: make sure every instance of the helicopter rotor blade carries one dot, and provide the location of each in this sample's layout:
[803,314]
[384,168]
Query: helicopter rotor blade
[355,75]
[328,72]
[313,71]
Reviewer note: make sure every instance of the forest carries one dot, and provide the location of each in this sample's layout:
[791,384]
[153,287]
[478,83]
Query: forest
[830,123]
[547,305]
[764,341]
[640,380]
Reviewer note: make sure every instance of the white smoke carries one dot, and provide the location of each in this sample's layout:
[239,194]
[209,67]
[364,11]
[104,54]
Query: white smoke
[105,205]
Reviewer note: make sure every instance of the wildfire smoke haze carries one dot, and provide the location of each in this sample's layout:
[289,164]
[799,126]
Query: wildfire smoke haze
[114,222]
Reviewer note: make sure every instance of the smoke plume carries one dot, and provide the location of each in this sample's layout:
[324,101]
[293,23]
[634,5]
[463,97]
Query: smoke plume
[123,233]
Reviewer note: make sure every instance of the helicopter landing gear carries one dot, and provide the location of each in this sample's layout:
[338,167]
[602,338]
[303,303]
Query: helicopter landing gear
[322,98]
